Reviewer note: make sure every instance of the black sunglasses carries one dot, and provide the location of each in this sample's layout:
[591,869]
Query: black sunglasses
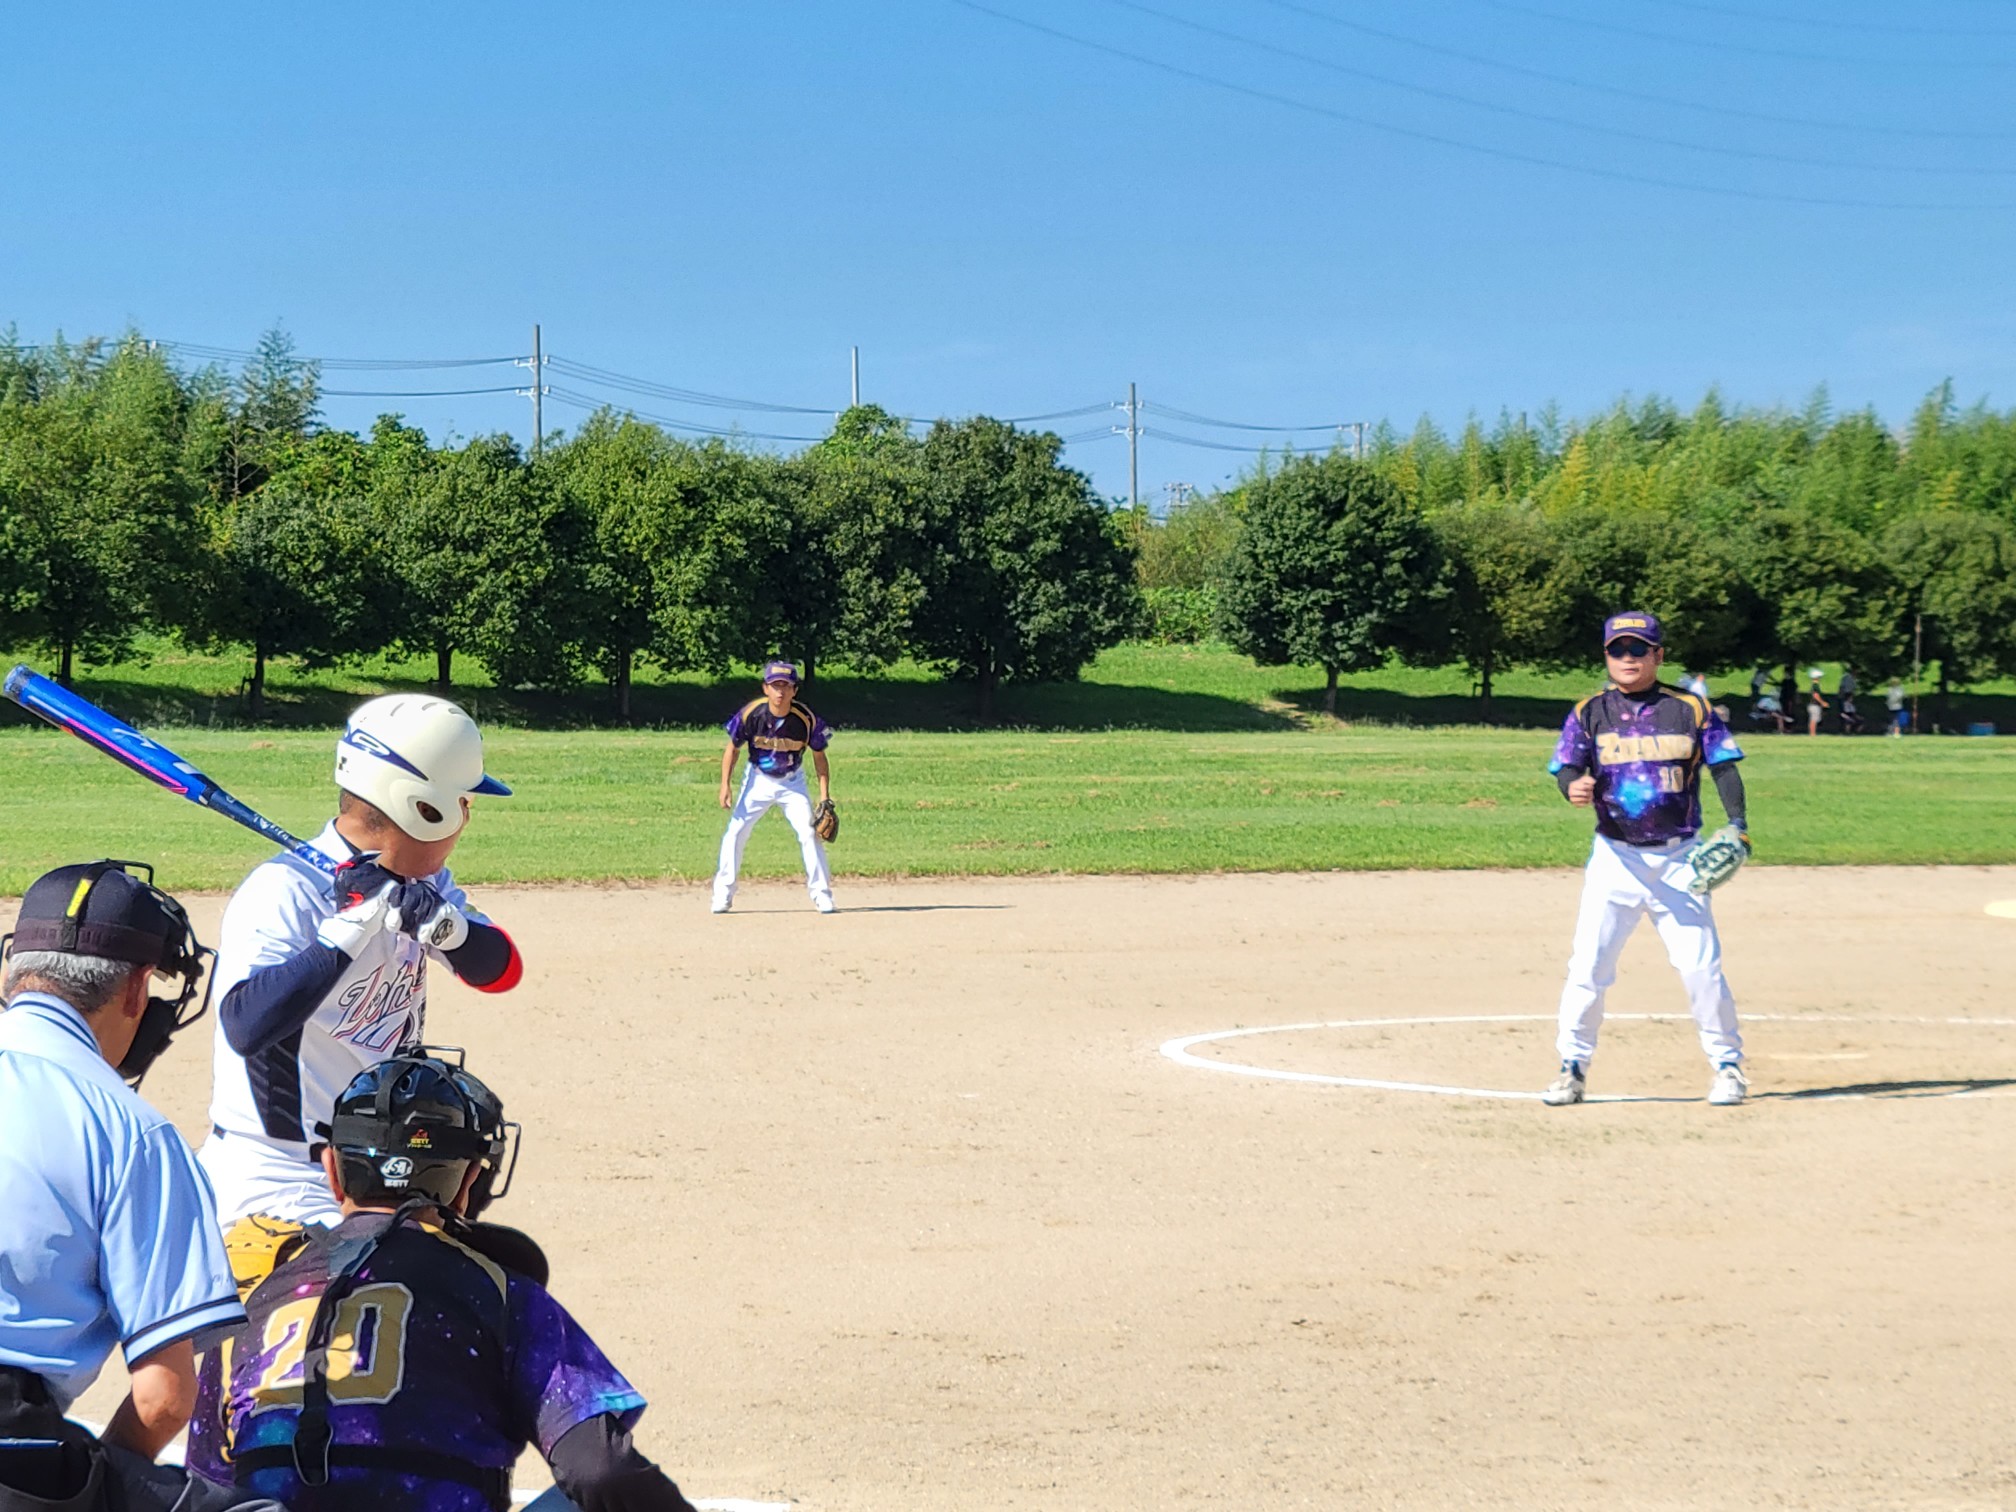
[1629,647]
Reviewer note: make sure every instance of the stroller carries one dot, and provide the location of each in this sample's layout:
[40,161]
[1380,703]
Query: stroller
[1851,718]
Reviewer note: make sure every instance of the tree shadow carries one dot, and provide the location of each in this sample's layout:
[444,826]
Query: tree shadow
[1384,706]
[849,700]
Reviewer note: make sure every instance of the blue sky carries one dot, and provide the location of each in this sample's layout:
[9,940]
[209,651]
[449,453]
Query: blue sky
[1280,213]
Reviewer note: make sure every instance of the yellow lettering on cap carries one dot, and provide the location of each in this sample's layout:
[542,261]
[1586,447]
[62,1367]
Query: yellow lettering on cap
[77,898]
[1631,622]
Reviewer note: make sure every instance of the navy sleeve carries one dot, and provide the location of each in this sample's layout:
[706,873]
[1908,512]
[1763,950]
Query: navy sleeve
[276,1000]
[483,957]
[1729,787]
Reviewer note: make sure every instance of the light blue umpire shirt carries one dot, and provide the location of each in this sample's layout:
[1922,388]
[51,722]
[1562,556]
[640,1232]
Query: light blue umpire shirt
[108,1230]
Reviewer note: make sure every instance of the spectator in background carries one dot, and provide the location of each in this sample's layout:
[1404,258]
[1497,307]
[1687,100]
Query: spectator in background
[1848,687]
[1900,717]
[1788,690]
[1759,681]
[1816,702]
[1697,684]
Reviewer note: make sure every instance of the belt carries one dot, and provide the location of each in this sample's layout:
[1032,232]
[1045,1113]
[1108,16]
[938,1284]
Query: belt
[493,1484]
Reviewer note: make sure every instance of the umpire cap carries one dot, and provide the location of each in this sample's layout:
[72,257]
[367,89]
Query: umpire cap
[99,908]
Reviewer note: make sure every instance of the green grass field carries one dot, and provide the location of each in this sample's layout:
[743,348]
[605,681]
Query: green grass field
[608,804]
[1163,759]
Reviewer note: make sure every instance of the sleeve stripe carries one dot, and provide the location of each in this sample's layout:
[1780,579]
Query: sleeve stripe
[225,1312]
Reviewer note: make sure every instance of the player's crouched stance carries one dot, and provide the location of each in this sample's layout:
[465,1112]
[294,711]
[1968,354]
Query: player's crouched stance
[1634,753]
[393,1362]
[108,1236]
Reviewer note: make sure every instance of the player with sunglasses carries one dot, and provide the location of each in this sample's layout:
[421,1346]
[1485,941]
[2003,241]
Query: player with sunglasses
[1635,753]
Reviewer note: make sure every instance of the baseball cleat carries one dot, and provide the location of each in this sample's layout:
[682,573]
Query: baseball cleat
[1571,1086]
[1729,1088]
[824,905]
[722,905]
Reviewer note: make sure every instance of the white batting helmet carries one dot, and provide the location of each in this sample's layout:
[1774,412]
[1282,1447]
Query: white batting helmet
[414,757]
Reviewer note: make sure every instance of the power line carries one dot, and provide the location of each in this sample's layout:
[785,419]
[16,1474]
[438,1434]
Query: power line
[410,393]
[1245,451]
[1620,133]
[591,403]
[1645,97]
[346,364]
[623,381]
[1177,414]
[1592,24]
[1829,23]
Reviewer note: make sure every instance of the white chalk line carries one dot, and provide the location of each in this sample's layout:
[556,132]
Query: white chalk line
[178,1449]
[1178,1050]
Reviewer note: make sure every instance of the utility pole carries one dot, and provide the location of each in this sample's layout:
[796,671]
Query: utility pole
[1133,450]
[1358,440]
[537,391]
[857,376]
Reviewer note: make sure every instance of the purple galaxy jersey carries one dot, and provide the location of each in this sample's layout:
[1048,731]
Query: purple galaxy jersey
[1646,752]
[778,742]
[438,1352]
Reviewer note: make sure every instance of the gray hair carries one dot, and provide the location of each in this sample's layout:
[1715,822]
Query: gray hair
[86,982]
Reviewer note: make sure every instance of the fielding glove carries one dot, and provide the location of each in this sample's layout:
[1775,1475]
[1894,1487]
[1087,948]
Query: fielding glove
[1717,859]
[826,821]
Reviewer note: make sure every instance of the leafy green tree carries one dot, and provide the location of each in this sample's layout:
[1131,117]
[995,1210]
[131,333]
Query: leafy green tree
[292,573]
[1822,590]
[1957,574]
[101,526]
[861,555]
[1334,568]
[1657,559]
[606,472]
[1032,578]
[1511,601]
[483,556]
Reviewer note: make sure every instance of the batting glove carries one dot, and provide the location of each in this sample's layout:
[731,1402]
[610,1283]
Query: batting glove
[351,929]
[420,912]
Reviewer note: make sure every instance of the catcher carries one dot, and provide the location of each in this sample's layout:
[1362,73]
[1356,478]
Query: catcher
[778,731]
[399,1361]
[1634,753]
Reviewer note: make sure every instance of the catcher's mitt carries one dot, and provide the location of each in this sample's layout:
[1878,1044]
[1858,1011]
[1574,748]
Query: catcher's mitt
[826,821]
[1717,859]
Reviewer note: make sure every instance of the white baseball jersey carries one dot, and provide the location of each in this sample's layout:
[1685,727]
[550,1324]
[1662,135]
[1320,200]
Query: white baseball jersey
[264,1108]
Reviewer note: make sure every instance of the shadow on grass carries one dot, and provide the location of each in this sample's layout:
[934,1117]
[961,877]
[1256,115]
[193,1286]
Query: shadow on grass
[848,701]
[858,702]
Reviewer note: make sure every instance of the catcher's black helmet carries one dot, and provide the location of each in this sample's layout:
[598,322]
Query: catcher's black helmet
[411,1127]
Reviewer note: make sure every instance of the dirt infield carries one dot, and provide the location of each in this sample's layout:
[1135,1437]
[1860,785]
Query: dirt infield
[905,1208]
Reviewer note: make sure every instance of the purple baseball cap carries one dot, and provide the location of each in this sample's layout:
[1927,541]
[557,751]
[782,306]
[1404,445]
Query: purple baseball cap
[1633,622]
[780,670]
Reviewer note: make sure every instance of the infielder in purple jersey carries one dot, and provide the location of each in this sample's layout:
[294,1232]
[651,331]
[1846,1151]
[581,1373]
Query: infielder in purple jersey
[779,731]
[1634,753]
[390,1363]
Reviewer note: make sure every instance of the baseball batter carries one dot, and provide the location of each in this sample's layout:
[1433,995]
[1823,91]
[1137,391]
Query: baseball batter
[1634,753]
[778,731]
[316,983]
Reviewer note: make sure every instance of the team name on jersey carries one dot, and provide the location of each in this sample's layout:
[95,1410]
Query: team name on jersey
[775,743]
[1616,750]
[376,1009]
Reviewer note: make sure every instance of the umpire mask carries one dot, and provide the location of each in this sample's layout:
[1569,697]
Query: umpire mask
[105,909]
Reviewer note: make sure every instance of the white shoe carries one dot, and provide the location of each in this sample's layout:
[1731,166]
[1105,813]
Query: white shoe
[824,905]
[1571,1086]
[722,905]
[1729,1088]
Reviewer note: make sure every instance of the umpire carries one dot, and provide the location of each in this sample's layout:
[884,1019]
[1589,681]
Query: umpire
[108,1234]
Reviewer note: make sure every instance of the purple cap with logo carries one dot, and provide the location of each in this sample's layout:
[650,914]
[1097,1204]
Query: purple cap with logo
[780,671]
[1633,622]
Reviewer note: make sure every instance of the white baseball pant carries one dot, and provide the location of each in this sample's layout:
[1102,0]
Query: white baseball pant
[1622,883]
[759,792]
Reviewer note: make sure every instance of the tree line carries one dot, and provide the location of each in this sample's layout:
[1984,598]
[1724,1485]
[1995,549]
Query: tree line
[213,507]
[1762,537]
